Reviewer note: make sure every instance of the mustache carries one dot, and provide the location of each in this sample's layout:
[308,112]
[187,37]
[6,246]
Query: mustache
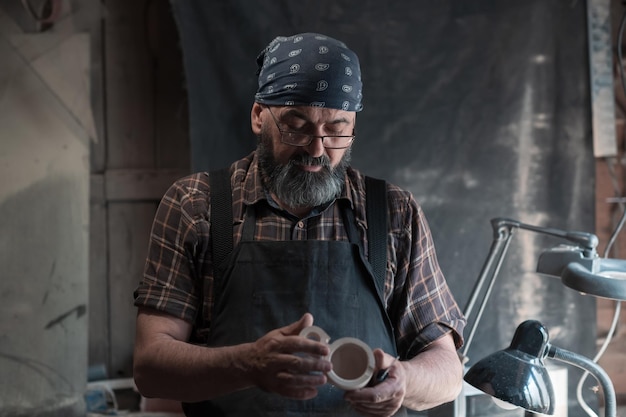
[306,159]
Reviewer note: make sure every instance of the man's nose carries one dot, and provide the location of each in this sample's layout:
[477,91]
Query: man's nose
[316,147]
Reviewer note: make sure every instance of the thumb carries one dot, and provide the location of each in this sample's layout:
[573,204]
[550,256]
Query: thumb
[379,358]
[296,327]
[307,320]
[382,360]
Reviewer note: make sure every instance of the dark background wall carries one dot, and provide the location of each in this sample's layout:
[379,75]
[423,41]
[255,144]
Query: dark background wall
[481,109]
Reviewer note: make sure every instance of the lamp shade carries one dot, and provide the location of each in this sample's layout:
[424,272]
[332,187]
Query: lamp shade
[517,375]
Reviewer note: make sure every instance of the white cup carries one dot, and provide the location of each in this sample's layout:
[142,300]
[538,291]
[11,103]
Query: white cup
[352,359]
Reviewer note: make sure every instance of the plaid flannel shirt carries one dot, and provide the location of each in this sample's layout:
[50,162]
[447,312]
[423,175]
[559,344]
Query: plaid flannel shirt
[417,297]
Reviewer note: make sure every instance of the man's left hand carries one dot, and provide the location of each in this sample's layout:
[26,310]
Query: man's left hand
[385,398]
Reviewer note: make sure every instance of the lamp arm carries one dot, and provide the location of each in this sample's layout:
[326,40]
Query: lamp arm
[502,233]
[586,364]
[588,241]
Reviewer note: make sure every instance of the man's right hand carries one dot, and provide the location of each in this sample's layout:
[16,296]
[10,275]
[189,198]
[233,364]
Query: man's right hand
[282,362]
[287,364]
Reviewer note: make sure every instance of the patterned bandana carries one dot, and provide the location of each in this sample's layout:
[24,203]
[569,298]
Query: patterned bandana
[309,69]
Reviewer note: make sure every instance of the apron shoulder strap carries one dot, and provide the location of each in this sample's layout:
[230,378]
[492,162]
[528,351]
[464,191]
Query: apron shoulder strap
[221,214]
[376,212]
[221,233]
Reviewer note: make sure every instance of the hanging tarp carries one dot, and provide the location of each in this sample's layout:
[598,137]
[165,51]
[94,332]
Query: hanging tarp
[481,109]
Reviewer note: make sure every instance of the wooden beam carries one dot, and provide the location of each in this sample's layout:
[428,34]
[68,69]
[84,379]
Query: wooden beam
[139,184]
[129,83]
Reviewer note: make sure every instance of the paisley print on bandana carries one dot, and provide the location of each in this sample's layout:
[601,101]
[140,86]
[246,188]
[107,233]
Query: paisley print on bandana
[309,69]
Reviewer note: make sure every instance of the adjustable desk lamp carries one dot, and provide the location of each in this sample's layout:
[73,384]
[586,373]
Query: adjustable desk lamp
[584,253]
[517,375]
[581,269]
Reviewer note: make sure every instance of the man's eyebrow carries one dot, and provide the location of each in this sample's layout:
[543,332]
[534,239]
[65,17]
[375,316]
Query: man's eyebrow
[300,115]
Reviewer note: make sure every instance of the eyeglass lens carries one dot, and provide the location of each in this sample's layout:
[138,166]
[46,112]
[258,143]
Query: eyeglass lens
[303,139]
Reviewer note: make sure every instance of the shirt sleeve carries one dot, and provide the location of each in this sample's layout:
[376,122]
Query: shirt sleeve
[168,283]
[423,305]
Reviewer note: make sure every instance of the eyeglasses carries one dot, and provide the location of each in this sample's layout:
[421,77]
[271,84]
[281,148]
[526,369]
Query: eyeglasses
[303,139]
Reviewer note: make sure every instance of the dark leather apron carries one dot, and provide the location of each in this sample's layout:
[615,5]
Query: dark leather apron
[268,284]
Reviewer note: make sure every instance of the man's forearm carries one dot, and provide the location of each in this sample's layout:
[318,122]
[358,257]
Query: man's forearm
[166,366]
[180,371]
[433,377]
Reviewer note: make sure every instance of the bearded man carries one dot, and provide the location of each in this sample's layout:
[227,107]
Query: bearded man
[241,261]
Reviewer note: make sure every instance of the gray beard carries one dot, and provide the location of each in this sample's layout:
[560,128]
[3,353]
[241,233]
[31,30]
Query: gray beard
[295,187]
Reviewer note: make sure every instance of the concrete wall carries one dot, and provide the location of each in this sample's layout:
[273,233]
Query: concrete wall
[44,234]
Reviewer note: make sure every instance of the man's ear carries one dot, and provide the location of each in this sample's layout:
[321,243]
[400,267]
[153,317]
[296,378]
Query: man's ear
[255,118]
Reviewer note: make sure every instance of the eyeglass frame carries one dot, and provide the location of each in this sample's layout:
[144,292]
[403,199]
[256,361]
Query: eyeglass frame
[310,137]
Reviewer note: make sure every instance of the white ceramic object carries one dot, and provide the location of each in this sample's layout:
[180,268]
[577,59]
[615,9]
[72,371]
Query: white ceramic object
[352,359]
